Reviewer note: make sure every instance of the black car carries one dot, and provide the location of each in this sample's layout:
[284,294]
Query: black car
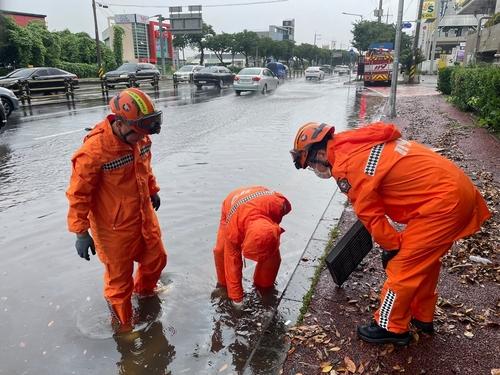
[126,71]
[41,80]
[213,76]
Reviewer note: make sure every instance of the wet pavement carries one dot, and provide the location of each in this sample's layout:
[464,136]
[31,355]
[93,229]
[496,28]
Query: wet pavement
[53,317]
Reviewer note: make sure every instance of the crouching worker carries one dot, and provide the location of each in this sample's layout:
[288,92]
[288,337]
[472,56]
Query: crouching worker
[114,193]
[385,176]
[249,227]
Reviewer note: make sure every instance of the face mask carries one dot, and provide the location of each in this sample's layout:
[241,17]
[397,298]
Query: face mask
[325,175]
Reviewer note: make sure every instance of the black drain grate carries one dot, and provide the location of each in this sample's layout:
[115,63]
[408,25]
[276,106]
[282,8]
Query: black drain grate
[349,252]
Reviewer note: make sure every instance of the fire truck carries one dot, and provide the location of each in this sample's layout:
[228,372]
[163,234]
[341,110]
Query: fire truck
[377,63]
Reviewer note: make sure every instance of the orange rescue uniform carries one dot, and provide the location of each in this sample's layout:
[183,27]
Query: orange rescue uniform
[387,177]
[249,227]
[110,189]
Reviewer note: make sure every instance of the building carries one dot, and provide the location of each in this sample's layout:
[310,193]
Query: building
[451,38]
[290,26]
[22,19]
[484,43]
[141,39]
[285,32]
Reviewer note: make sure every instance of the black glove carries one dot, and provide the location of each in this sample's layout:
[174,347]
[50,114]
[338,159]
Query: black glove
[155,201]
[83,242]
[387,255]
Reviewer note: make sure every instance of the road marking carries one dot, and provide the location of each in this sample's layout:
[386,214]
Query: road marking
[58,134]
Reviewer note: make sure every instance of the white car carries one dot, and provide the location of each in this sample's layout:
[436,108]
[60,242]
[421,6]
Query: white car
[255,79]
[185,73]
[341,69]
[314,72]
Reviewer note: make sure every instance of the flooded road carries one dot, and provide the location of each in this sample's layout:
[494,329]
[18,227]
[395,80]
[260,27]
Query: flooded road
[53,317]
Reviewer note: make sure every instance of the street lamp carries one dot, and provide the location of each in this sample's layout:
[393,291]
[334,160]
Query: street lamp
[353,14]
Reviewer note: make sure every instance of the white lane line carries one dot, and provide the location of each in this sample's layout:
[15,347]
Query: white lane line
[58,134]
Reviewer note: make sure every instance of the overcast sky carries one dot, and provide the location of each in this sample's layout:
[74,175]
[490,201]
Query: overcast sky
[321,17]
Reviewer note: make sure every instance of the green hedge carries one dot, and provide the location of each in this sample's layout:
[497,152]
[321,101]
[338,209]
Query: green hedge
[80,69]
[444,80]
[478,90]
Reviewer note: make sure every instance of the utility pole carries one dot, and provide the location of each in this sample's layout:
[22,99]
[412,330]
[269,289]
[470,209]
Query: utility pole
[162,43]
[395,65]
[100,70]
[415,42]
[434,36]
[379,15]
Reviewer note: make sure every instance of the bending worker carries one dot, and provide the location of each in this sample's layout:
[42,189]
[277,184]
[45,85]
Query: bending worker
[114,193]
[386,177]
[249,227]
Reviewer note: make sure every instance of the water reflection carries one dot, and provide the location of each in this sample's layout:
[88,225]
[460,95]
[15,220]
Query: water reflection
[146,351]
[363,107]
[237,330]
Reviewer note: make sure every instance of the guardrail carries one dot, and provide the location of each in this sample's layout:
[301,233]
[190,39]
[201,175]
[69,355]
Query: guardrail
[28,91]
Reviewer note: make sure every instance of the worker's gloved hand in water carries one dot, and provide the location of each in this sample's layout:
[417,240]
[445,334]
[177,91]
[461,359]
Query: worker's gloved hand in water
[83,242]
[387,255]
[155,201]
[238,305]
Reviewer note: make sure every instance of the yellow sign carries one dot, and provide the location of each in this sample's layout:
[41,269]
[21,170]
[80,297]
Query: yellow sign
[429,10]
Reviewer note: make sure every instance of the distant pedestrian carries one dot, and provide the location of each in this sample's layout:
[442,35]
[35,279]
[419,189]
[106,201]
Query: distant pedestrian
[249,228]
[114,193]
[388,178]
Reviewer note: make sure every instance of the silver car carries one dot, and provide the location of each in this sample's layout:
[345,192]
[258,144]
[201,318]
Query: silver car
[185,74]
[9,100]
[255,79]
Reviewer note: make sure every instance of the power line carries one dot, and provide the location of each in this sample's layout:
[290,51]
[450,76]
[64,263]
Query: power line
[204,6]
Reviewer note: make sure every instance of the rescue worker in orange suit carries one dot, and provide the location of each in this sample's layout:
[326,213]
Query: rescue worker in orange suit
[114,193]
[249,227]
[387,177]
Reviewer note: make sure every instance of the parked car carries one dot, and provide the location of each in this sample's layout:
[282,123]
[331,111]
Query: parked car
[126,71]
[326,68]
[43,79]
[3,116]
[185,74]
[9,100]
[255,79]
[279,70]
[213,76]
[314,72]
[341,69]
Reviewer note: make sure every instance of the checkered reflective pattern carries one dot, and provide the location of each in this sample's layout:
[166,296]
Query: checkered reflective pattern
[385,309]
[117,163]
[145,150]
[248,198]
[371,164]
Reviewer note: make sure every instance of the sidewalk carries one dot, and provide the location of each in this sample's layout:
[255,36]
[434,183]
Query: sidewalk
[468,313]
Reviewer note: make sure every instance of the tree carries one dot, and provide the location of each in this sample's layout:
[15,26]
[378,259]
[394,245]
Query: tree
[181,41]
[118,33]
[199,40]
[246,43]
[220,44]
[367,32]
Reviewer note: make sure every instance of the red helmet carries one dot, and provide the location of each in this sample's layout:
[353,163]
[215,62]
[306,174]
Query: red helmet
[307,135]
[136,109]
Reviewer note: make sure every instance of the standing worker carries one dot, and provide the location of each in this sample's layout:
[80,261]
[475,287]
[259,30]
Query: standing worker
[114,193]
[385,176]
[249,227]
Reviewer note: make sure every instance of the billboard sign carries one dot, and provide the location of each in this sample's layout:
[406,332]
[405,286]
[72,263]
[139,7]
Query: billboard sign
[429,10]
[130,18]
[186,23]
